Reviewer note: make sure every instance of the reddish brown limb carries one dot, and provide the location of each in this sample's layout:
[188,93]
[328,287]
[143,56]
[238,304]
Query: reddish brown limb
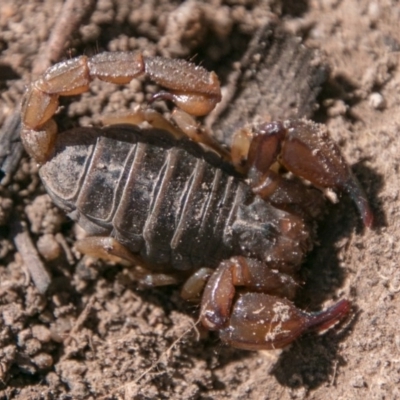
[240,145]
[261,317]
[153,279]
[110,249]
[305,149]
[191,87]
[116,67]
[193,129]
[290,195]
[185,126]
[137,117]
[235,272]
[106,248]
[193,287]
[263,322]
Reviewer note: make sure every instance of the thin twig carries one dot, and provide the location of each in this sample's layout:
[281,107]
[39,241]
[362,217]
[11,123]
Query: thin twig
[70,17]
[233,79]
[23,242]
[79,322]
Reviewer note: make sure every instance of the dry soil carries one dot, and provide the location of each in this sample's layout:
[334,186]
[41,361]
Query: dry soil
[95,334]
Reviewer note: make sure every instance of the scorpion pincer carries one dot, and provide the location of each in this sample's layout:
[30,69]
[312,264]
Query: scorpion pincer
[165,196]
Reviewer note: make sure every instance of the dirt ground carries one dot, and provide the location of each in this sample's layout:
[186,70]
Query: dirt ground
[94,334]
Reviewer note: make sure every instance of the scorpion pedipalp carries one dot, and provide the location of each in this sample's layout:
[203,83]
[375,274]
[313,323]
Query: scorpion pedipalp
[262,317]
[305,149]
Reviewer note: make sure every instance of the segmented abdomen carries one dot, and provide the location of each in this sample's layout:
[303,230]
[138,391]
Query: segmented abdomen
[157,196]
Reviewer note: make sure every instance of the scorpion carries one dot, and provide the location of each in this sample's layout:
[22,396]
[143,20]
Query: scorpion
[164,195]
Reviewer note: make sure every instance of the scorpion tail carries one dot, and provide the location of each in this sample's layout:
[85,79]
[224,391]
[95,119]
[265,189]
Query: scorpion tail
[324,320]
[353,188]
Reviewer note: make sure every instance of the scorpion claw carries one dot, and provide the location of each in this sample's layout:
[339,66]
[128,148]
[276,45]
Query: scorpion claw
[305,149]
[263,317]
[260,321]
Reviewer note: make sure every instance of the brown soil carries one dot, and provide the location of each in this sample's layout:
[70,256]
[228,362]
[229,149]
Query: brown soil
[94,334]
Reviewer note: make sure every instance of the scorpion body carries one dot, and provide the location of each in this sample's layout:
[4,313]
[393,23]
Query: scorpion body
[175,204]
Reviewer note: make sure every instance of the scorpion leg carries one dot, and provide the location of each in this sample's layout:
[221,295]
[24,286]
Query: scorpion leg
[152,117]
[195,131]
[191,88]
[291,195]
[263,318]
[106,248]
[109,249]
[193,287]
[186,125]
[305,149]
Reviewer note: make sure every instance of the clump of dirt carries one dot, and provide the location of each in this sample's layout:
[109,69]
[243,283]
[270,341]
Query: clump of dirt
[94,334]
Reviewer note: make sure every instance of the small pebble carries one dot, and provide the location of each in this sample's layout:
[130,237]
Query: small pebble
[377,101]
[358,381]
[43,360]
[48,247]
[41,333]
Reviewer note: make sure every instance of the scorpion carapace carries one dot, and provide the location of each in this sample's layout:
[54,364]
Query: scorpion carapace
[227,223]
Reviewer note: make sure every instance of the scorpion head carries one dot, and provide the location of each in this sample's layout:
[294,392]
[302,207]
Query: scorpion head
[62,175]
